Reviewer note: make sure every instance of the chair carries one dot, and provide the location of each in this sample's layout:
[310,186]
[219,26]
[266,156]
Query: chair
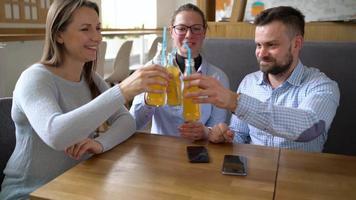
[153,49]
[7,134]
[121,64]
[101,58]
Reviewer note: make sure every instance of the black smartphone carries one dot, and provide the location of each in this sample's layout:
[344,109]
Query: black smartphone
[197,154]
[235,165]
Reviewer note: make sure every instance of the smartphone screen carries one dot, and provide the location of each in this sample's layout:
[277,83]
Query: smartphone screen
[234,165]
[197,154]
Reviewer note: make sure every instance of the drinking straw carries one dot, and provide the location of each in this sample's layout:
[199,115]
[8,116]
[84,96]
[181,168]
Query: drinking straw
[170,59]
[164,46]
[189,57]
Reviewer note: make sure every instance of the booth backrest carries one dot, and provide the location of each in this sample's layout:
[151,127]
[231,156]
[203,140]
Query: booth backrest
[7,134]
[336,59]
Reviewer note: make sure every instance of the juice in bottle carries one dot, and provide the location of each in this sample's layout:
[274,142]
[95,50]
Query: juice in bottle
[174,96]
[191,110]
[156,99]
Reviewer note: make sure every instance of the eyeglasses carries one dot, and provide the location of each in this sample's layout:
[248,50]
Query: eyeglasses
[183,29]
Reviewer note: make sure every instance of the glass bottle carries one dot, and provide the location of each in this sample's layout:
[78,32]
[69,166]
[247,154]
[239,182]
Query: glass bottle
[191,110]
[157,99]
[174,96]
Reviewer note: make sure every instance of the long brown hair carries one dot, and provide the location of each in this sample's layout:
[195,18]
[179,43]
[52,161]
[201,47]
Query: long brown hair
[59,16]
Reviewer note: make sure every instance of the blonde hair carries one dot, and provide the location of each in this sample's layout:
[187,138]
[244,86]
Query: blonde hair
[59,16]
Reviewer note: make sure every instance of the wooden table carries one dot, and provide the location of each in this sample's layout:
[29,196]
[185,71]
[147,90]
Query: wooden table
[151,166]
[315,176]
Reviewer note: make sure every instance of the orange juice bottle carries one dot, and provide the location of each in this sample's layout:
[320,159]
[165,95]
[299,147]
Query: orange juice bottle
[174,95]
[157,99]
[191,110]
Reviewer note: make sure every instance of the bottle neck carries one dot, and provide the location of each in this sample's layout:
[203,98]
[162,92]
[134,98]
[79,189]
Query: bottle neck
[189,67]
[158,58]
[181,62]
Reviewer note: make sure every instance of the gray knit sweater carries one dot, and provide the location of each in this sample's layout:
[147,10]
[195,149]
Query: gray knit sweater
[50,114]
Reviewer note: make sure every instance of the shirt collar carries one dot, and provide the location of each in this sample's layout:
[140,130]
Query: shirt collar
[202,68]
[262,79]
[296,77]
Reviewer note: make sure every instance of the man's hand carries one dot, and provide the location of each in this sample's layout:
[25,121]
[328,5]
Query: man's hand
[221,133]
[211,91]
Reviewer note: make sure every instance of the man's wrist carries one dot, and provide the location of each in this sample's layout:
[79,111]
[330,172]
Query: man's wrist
[234,102]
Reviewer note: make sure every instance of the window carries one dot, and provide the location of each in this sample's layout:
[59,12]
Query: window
[24,11]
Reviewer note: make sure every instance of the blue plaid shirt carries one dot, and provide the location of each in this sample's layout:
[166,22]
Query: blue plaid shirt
[296,115]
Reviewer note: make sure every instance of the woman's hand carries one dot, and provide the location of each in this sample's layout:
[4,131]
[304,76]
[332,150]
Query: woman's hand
[88,145]
[221,133]
[141,80]
[193,130]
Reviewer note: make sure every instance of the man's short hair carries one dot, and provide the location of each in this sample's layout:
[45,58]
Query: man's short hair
[289,16]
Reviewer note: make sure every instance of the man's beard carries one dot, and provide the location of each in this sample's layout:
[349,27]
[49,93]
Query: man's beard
[276,68]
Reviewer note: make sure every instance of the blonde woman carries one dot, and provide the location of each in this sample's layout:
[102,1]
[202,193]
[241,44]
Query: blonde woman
[59,103]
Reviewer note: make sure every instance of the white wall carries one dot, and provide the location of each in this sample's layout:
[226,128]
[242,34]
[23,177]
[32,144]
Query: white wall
[14,58]
[166,8]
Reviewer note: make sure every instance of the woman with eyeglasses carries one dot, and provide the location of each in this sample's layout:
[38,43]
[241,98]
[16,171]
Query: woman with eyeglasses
[188,24]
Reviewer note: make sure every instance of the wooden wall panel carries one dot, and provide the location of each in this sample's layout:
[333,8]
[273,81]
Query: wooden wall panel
[314,31]
[38,8]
